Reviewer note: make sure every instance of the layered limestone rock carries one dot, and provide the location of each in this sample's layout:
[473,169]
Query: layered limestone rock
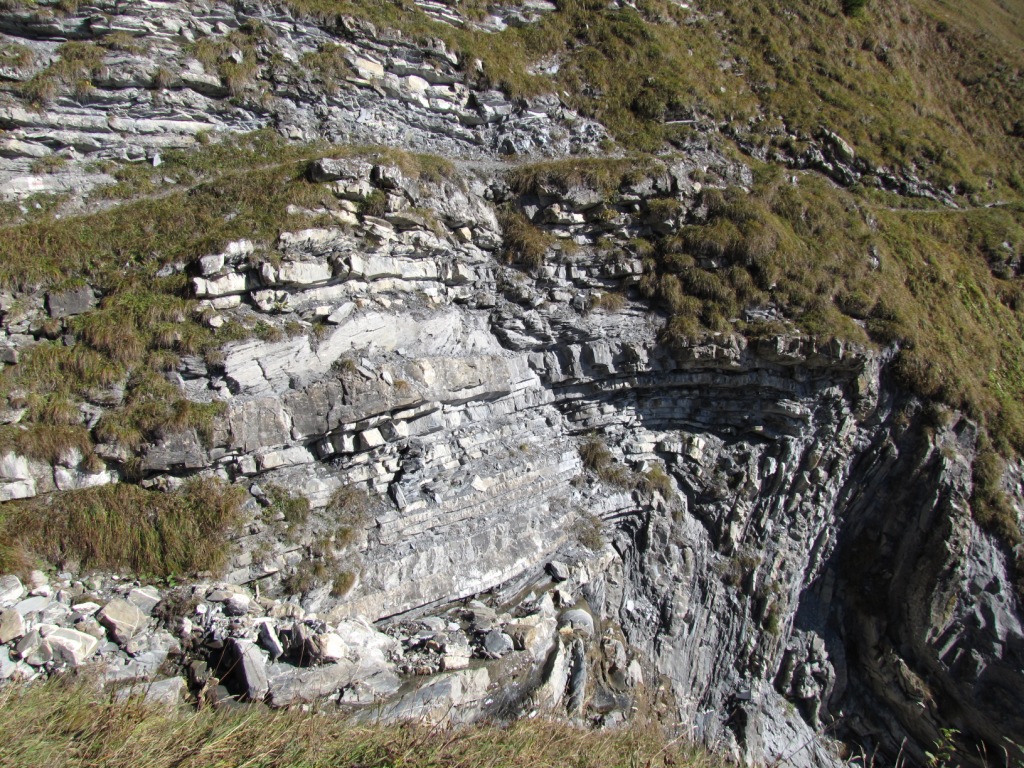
[766,532]
[172,74]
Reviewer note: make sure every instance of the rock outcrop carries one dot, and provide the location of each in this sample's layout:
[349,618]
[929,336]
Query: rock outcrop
[762,538]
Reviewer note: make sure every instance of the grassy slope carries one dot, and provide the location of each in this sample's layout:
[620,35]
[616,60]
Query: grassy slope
[68,726]
[907,82]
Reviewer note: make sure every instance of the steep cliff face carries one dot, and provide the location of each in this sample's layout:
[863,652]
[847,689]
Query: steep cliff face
[767,527]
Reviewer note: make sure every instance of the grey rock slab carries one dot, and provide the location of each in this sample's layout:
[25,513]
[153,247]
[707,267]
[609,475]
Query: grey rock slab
[251,669]
[74,301]
[577,679]
[12,626]
[11,588]
[144,598]
[71,646]
[556,675]
[292,685]
[269,640]
[169,692]
[452,697]
[35,604]
[122,619]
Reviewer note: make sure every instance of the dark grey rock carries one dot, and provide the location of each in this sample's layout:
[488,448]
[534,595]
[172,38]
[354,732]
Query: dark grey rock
[559,571]
[73,301]
[251,669]
[497,644]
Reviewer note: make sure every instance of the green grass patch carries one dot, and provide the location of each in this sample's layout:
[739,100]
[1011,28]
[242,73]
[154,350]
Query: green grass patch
[124,528]
[144,323]
[524,243]
[911,83]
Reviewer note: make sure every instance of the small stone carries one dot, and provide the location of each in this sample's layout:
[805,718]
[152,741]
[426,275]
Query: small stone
[122,619]
[434,623]
[497,644]
[452,661]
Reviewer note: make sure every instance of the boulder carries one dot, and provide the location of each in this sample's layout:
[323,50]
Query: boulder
[536,638]
[237,605]
[577,620]
[31,649]
[330,169]
[122,619]
[166,692]
[559,571]
[497,644]
[328,648]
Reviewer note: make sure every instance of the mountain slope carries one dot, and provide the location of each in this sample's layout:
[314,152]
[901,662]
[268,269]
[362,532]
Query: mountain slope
[719,304]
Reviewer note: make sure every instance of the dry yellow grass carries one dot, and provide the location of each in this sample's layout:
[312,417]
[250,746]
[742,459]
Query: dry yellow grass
[68,724]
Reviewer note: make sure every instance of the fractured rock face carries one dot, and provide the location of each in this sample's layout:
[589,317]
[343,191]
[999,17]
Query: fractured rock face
[766,523]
